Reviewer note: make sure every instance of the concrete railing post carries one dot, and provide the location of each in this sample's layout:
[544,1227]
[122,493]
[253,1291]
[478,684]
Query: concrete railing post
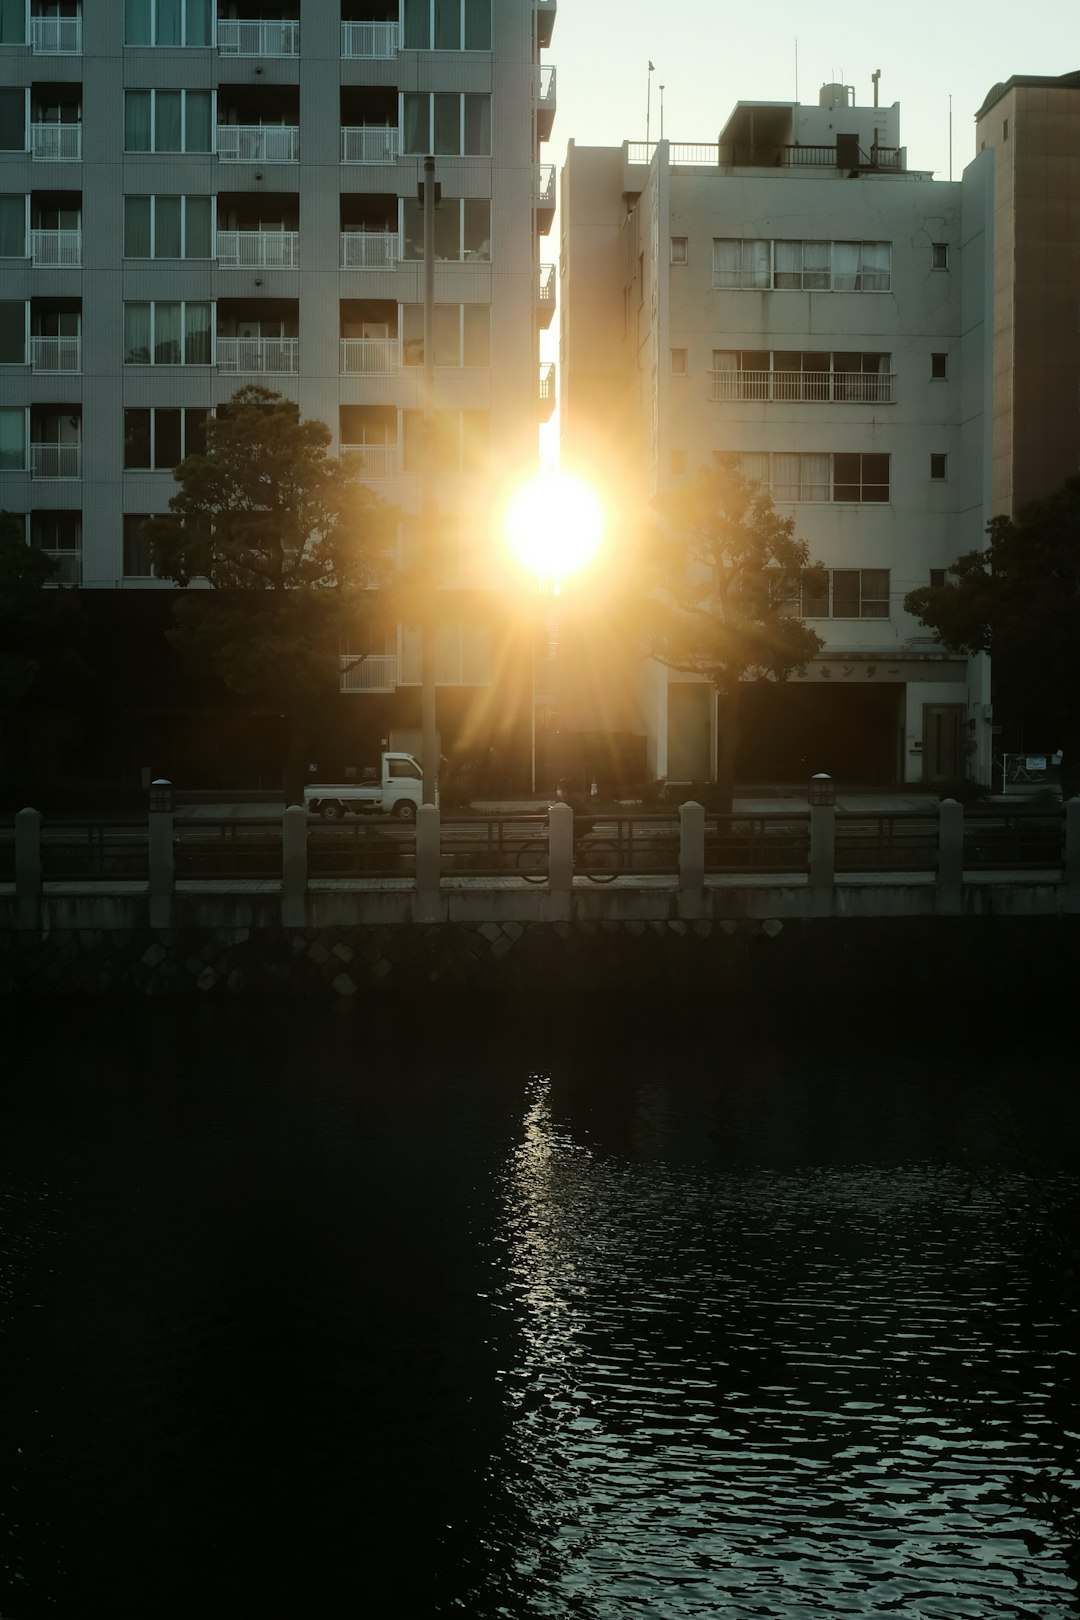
[822,858]
[691,850]
[561,856]
[1072,854]
[28,868]
[294,866]
[161,868]
[950,860]
[428,861]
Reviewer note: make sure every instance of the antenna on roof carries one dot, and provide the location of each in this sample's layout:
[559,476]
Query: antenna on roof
[876,75]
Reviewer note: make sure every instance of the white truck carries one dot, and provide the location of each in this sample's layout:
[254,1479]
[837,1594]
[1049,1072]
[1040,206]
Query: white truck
[399,793]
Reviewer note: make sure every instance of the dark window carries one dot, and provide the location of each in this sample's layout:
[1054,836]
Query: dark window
[137,563]
[937,578]
[12,332]
[136,439]
[13,120]
[939,365]
[938,465]
[941,255]
[860,478]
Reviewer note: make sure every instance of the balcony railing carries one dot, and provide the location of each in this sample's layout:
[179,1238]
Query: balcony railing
[67,567]
[547,389]
[375,673]
[241,36]
[258,143]
[56,36]
[370,143]
[53,248]
[56,353]
[378,460]
[56,143]
[55,460]
[545,185]
[801,387]
[545,99]
[545,295]
[258,250]
[258,354]
[369,356]
[369,250]
[374,41]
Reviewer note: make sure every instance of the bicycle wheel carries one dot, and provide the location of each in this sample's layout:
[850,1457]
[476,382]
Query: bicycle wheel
[532,862]
[604,861]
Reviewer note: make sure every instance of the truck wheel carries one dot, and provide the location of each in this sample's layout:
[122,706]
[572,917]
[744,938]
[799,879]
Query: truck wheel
[405,810]
[332,810]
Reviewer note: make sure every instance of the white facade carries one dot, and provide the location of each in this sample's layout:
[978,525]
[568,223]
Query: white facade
[794,295]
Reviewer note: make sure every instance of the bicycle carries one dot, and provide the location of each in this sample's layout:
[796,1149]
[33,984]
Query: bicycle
[532,858]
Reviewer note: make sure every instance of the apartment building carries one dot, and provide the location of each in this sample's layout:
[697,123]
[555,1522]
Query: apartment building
[195,195]
[801,297]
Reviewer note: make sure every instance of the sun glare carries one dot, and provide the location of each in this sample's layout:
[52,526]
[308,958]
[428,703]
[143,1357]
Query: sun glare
[555,524]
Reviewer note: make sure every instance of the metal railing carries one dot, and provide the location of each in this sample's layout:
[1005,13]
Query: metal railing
[547,381]
[369,250]
[362,847]
[56,248]
[67,567]
[473,845]
[370,143]
[56,354]
[545,86]
[545,185]
[378,460]
[369,40]
[56,143]
[258,143]
[55,460]
[56,36]
[91,851]
[769,841]
[243,848]
[885,843]
[1028,839]
[369,356]
[241,36]
[546,286]
[805,387]
[258,354]
[375,672]
[258,250]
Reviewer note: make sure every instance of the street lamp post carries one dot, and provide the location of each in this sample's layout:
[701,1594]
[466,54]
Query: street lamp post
[429,748]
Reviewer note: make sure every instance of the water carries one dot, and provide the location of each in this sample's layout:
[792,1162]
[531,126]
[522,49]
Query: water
[612,1315]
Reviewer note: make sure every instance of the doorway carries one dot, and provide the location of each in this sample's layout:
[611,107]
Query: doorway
[943,742]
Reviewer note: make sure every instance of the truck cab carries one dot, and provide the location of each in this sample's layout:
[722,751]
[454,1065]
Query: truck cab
[395,787]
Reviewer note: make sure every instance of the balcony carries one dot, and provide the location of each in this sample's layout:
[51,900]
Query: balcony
[56,143]
[258,36]
[545,22]
[370,250]
[545,101]
[52,249]
[544,197]
[56,36]
[376,672]
[263,356]
[55,460]
[258,143]
[258,250]
[52,353]
[367,357]
[803,387]
[545,294]
[369,41]
[547,390]
[67,567]
[377,460]
[370,143]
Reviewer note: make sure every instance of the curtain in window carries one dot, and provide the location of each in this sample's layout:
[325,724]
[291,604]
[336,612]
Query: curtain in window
[167,329]
[168,22]
[815,606]
[415,133]
[136,334]
[417,25]
[815,266]
[12,22]
[167,121]
[197,335]
[197,18]
[167,228]
[785,477]
[815,477]
[197,108]
[875,266]
[12,227]
[845,266]
[447,25]
[726,259]
[478,126]
[448,229]
[478,25]
[477,334]
[447,123]
[754,466]
[789,259]
[137,227]
[12,439]
[137,120]
[875,593]
[198,231]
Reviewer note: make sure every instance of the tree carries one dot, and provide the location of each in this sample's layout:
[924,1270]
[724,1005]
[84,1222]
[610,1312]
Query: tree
[291,542]
[728,571]
[1020,600]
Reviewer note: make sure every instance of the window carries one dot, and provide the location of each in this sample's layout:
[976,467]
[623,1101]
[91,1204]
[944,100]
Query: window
[167,22]
[462,441]
[447,123]
[59,536]
[13,332]
[679,247]
[939,365]
[940,255]
[850,593]
[818,476]
[167,334]
[138,563]
[937,578]
[447,25]
[168,120]
[162,438]
[854,377]
[404,768]
[12,22]
[12,438]
[167,227]
[13,120]
[678,362]
[13,227]
[462,334]
[462,229]
[801,266]
[938,466]
[1005,130]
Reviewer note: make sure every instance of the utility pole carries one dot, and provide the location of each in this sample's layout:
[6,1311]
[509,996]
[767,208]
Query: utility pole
[429,747]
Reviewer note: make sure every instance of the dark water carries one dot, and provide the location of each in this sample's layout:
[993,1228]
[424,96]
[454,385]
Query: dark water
[616,1315]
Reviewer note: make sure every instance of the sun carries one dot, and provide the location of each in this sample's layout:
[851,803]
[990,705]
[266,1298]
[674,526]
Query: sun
[555,524]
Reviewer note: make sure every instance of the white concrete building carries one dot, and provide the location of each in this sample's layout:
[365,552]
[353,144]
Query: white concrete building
[795,294]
